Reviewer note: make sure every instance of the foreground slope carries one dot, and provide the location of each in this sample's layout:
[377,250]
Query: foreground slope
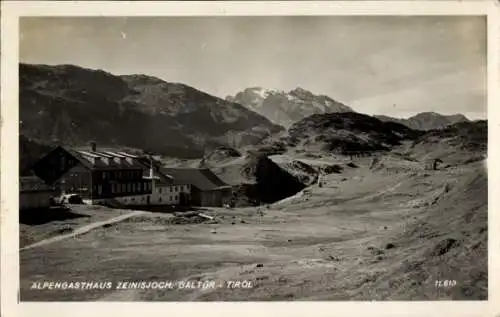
[364,235]
[384,232]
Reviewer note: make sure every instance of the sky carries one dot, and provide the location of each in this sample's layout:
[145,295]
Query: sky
[389,65]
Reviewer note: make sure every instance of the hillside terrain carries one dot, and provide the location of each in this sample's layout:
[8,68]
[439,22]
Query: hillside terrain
[285,108]
[427,120]
[73,105]
[368,233]
[339,206]
[340,133]
[458,143]
[255,178]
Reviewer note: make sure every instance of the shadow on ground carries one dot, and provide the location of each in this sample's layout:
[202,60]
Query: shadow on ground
[41,216]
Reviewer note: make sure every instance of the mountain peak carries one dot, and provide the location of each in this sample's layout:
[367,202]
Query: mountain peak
[284,108]
[300,91]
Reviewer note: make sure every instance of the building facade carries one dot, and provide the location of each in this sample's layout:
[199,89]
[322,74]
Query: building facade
[165,189]
[206,189]
[120,178]
[94,175]
[34,193]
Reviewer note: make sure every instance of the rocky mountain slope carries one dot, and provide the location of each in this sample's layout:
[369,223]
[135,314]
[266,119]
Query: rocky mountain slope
[255,178]
[427,120]
[73,105]
[458,143]
[285,108]
[340,133]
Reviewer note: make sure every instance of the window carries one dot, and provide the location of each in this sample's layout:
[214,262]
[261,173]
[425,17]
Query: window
[176,197]
[170,188]
[159,190]
[159,199]
[99,189]
[171,198]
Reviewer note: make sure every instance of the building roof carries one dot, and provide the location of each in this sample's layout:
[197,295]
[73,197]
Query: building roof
[104,160]
[93,160]
[33,184]
[201,178]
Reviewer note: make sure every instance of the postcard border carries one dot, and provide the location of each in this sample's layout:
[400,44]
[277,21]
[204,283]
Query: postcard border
[12,10]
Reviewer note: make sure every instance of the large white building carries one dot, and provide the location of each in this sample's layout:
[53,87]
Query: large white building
[165,190]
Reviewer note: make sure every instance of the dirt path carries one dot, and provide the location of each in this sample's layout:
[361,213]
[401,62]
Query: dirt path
[83,229]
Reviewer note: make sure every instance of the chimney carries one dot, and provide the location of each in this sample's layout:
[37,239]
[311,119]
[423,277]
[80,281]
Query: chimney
[93,146]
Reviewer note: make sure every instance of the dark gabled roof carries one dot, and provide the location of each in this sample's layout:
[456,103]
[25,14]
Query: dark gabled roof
[93,160]
[106,160]
[33,184]
[203,179]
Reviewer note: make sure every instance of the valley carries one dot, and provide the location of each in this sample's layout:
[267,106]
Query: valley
[327,203]
[365,234]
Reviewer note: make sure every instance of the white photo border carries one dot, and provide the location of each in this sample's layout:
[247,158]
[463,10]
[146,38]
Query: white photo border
[12,10]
